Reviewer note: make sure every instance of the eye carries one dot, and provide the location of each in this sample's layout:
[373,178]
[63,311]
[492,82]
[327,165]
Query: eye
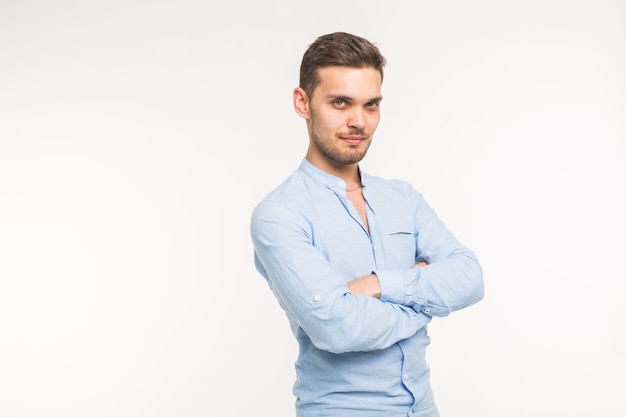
[339,102]
[373,104]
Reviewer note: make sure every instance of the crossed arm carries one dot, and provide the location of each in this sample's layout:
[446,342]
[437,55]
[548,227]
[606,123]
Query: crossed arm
[373,311]
[314,295]
[369,285]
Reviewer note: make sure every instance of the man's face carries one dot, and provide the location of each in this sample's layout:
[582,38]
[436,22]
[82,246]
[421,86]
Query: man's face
[344,113]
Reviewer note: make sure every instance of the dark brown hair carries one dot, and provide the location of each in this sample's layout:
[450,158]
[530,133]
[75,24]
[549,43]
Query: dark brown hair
[337,49]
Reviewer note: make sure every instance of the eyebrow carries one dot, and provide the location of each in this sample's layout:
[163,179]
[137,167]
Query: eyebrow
[332,97]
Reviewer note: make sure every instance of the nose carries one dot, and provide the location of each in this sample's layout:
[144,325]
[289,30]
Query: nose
[357,119]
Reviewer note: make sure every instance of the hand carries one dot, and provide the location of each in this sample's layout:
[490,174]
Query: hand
[367,285]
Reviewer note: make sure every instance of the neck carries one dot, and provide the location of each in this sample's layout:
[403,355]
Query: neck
[347,172]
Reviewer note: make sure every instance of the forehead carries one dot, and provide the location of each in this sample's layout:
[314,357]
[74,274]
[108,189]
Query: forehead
[350,82]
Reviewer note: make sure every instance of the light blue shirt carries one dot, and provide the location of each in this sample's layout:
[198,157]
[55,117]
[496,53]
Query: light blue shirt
[360,356]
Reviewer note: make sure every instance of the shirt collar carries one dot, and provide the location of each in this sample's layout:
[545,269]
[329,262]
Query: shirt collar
[324,178]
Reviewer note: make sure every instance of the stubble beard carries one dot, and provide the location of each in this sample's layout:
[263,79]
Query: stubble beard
[331,152]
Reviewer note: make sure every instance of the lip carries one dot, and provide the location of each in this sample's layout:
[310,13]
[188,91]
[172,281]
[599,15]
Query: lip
[352,140]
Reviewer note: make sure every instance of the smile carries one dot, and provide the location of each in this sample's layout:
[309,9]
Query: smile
[352,140]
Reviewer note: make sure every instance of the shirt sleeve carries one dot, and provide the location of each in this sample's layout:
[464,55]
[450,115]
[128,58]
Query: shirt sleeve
[316,297]
[453,278]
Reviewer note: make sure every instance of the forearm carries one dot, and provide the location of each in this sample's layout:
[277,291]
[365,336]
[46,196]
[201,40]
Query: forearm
[340,321]
[438,289]
[369,285]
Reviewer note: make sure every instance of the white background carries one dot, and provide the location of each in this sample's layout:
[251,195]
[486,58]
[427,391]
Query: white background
[137,136]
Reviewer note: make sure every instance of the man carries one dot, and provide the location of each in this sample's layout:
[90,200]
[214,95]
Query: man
[359,264]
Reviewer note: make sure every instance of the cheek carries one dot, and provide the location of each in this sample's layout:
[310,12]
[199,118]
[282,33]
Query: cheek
[374,120]
[331,123]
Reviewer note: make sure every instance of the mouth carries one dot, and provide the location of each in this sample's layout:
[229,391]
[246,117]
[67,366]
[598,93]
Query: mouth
[353,139]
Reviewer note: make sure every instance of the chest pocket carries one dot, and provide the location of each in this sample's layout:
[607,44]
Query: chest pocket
[399,247]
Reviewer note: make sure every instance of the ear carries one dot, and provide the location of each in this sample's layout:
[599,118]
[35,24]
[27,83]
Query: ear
[301,103]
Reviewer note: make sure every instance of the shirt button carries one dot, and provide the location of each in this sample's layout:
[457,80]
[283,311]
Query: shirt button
[411,412]
[405,376]
[317,297]
[427,310]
